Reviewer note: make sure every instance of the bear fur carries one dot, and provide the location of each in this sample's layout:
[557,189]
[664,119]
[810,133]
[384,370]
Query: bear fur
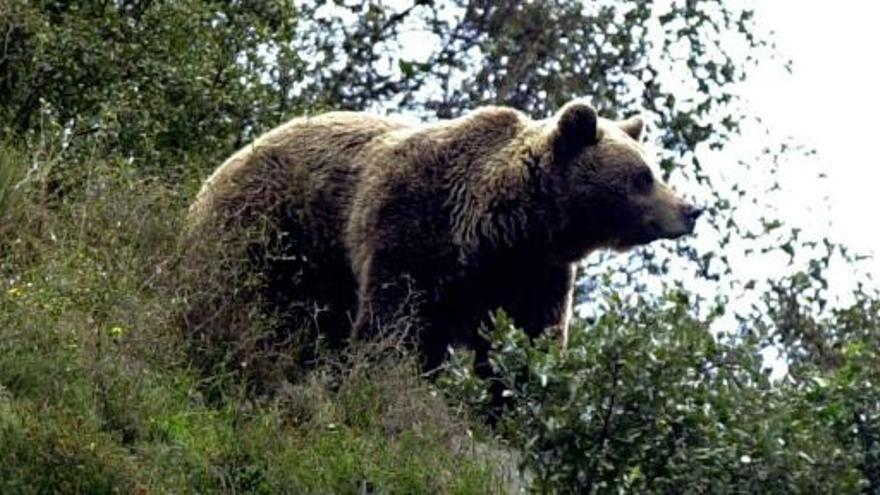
[355,223]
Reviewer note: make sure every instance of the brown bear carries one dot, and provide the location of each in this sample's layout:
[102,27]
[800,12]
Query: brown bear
[361,223]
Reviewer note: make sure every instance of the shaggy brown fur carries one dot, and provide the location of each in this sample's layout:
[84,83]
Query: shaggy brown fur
[429,228]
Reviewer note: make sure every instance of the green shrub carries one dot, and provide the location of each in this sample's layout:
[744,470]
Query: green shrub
[646,399]
[13,175]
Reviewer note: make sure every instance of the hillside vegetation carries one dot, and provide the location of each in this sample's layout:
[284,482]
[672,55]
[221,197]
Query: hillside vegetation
[111,115]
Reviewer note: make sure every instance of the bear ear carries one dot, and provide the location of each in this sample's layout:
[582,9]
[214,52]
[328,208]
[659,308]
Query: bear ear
[634,126]
[576,128]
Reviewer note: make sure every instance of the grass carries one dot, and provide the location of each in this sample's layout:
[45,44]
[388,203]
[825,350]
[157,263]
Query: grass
[97,395]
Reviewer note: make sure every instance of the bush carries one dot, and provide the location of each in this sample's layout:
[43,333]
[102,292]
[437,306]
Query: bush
[646,399]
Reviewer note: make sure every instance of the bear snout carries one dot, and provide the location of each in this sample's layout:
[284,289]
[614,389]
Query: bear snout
[691,213]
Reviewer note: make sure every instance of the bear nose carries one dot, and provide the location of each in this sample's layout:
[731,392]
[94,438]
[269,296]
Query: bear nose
[691,214]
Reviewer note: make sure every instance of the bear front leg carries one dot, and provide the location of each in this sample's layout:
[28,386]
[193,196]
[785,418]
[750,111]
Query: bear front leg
[388,301]
[538,301]
[543,301]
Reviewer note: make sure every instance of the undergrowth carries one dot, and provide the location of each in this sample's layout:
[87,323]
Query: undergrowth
[97,395]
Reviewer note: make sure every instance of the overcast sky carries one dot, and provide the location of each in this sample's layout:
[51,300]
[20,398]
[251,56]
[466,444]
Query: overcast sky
[831,102]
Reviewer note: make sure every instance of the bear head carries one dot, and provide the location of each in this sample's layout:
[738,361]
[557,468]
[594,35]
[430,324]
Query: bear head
[605,187]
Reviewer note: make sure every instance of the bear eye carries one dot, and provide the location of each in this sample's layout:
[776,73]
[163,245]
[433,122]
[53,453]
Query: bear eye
[644,180]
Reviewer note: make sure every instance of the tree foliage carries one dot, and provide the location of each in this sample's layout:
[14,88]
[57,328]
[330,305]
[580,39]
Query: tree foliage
[650,400]
[168,85]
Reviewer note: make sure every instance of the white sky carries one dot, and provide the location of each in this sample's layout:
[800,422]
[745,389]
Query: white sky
[830,102]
